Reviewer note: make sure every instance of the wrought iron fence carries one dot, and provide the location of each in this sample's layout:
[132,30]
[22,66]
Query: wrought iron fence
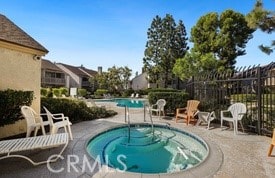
[253,85]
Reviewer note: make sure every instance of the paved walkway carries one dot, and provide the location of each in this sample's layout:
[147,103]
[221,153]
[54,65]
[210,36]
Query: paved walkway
[241,156]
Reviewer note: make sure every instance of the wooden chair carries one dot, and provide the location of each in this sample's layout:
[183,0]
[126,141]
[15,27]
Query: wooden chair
[188,112]
[272,143]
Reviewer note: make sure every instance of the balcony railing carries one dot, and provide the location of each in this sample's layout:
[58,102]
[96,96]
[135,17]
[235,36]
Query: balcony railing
[85,83]
[53,81]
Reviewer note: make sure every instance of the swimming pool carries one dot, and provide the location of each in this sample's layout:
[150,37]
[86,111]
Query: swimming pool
[131,103]
[122,102]
[161,150]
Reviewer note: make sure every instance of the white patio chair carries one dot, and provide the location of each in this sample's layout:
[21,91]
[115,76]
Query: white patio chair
[34,121]
[91,103]
[234,114]
[205,117]
[61,121]
[158,107]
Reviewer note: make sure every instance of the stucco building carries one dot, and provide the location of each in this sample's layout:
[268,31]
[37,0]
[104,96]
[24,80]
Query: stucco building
[20,67]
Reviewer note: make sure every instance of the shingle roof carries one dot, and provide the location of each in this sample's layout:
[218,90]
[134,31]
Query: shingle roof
[11,33]
[46,64]
[78,71]
[89,71]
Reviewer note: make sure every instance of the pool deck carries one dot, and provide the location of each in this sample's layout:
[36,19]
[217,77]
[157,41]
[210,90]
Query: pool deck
[240,156]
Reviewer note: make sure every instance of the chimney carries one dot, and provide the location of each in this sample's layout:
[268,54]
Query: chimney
[99,70]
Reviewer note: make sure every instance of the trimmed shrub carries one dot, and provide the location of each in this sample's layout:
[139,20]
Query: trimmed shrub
[162,90]
[10,104]
[81,92]
[76,110]
[44,92]
[100,92]
[173,100]
[56,92]
[64,91]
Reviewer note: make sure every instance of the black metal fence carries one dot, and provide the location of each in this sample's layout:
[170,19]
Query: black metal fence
[253,85]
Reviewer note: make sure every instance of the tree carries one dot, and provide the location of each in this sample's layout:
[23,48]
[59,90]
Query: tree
[193,63]
[125,74]
[114,80]
[263,20]
[167,42]
[225,36]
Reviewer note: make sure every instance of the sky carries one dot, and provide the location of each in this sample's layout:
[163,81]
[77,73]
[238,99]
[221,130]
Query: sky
[110,33]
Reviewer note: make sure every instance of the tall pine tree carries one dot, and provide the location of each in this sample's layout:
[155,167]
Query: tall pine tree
[167,42]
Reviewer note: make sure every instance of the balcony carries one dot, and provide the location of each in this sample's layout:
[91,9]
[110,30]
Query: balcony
[53,81]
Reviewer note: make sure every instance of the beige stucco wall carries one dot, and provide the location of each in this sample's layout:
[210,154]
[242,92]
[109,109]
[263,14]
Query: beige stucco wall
[19,71]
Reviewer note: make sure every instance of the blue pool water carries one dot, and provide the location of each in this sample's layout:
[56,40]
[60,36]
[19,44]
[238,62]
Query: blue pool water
[164,151]
[131,103]
[122,102]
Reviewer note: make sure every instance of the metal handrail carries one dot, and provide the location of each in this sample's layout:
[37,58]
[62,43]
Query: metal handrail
[128,118]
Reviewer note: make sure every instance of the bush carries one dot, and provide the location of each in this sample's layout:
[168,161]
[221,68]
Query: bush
[74,109]
[81,92]
[243,97]
[44,92]
[56,92]
[162,90]
[100,92]
[10,104]
[64,91]
[173,100]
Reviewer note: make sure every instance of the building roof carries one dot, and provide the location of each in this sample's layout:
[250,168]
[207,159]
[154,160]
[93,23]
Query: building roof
[80,71]
[89,71]
[46,64]
[11,33]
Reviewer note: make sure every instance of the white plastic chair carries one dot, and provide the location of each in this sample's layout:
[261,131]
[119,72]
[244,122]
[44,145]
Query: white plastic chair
[34,121]
[235,113]
[62,122]
[205,117]
[158,107]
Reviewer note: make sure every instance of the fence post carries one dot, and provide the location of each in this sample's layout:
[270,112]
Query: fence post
[259,98]
[192,87]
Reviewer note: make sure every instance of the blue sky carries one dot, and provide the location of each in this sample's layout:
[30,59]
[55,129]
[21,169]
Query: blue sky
[114,32]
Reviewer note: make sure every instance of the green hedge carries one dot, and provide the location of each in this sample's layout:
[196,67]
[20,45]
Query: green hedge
[162,90]
[100,92]
[10,104]
[173,100]
[243,97]
[74,109]
[58,92]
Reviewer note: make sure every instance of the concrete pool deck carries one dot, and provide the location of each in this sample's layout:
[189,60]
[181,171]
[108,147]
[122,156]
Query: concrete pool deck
[243,155]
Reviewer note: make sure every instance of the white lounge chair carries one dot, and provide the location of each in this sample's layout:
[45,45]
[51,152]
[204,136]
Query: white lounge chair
[234,114]
[91,103]
[8,147]
[205,117]
[132,95]
[158,107]
[34,121]
[61,121]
